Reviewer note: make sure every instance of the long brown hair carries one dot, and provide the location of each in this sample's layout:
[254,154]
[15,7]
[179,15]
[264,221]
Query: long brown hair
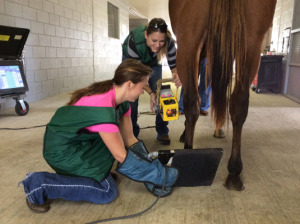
[159,25]
[129,70]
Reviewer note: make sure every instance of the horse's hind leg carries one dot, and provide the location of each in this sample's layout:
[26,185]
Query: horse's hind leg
[259,19]
[239,103]
[186,61]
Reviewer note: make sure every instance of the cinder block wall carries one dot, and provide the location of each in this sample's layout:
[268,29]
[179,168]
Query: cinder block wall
[108,51]
[68,46]
[283,18]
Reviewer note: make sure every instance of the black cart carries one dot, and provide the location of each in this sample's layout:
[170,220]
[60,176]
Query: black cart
[13,82]
[269,74]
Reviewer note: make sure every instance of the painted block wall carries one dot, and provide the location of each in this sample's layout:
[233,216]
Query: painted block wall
[68,46]
[107,50]
[283,18]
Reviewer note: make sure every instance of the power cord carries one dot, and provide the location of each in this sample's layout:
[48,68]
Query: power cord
[38,126]
[148,113]
[136,214]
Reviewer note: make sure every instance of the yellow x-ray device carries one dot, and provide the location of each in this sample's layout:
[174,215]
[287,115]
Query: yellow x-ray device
[166,103]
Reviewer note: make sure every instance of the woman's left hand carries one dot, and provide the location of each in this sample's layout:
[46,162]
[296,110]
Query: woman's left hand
[176,80]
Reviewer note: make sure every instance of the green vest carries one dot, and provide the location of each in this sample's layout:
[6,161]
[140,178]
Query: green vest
[141,46]
[70,150]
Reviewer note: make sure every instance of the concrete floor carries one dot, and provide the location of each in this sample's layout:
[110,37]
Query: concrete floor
[270,153]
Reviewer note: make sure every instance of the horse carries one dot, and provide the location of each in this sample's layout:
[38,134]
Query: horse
[223,31]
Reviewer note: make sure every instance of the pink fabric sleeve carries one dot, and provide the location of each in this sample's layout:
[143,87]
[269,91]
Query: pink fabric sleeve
[107,99]
[110,128]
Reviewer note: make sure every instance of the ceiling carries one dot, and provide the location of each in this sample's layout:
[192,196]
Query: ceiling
[150,9]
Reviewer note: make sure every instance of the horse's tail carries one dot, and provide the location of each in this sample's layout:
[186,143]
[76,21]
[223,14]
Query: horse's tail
[226,42]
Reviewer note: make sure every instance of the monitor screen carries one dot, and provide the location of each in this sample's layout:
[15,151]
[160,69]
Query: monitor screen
[12,78]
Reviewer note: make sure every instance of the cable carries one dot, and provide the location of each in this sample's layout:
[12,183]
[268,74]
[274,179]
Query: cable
[136,214]
[38,126]
[148,113]
[150,127]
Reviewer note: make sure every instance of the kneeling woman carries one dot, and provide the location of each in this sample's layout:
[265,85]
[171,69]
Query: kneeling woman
[84,138]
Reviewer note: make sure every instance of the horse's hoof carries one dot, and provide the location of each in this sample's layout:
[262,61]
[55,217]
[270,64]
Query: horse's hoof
[234,183]
[219,133]
[181,139]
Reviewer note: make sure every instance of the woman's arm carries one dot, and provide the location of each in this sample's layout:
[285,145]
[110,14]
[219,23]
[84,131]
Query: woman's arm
[117,141]
[115,144]
[127,131]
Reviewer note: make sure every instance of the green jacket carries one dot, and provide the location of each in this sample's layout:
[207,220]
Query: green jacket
[70,150]
[141,46]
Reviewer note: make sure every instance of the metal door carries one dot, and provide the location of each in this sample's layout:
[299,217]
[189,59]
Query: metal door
[292,79]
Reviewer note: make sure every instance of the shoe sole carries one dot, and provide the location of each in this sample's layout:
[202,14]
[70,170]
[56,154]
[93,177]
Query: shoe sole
[164,142]
[29,205]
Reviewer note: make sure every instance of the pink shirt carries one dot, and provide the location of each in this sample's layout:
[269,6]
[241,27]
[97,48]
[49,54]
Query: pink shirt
[107,99]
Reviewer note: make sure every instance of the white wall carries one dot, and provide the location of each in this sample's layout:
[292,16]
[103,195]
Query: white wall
[283,18]
[68,46]
[107,51]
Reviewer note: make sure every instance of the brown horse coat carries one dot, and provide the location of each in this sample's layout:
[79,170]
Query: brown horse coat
[224,31]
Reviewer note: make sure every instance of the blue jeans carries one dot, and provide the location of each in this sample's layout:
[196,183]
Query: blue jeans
[204,93]
[161,126]
[40,186]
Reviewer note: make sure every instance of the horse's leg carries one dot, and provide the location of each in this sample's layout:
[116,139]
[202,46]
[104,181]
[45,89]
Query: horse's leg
[259,18]
[202,57]
[239,103]
[186,60]
[219,132]
[190,25]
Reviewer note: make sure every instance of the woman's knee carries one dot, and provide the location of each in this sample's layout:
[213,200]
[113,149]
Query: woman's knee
[110,193]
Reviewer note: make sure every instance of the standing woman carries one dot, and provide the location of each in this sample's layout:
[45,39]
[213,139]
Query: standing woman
[84,138]
[149,44]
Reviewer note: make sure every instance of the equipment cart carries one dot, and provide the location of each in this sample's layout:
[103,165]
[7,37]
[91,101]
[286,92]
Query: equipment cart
[269,76]
[13,82]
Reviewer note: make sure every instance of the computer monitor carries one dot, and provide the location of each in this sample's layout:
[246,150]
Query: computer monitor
[12,78]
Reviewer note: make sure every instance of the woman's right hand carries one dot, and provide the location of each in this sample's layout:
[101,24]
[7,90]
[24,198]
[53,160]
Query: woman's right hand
[152,102]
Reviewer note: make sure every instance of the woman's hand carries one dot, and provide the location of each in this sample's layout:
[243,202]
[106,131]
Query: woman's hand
[152,97]
[152,101]
[176,80]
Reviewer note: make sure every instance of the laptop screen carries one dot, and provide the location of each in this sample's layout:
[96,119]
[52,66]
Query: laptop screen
[12,78]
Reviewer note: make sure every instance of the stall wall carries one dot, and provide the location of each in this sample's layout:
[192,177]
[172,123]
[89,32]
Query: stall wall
[68,46]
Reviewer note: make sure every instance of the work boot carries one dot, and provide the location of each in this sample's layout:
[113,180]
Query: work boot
[164,140]
[38,208]
[203,112]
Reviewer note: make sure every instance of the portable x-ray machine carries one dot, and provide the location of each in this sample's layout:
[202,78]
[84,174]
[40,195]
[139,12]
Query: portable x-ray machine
[166,102]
